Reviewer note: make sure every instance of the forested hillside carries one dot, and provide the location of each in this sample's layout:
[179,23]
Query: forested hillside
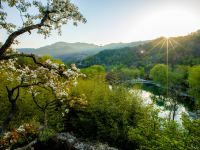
[182,50]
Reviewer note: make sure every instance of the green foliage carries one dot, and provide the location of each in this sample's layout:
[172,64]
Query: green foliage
[181,72]
[159,74]
[46,134]
[194,82]
[154,133]
[165,76]
[46,57]
[94,71]
[147,130]
[130,73]
[117,117]
[191,133]
[123,74]
[108,58]
[109,112]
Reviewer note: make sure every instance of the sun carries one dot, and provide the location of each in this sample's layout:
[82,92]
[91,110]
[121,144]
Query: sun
[169,22]
[167,37]
[175,22]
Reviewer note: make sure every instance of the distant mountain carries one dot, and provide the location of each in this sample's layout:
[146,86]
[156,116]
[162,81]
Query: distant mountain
[182,50]
[27,50]
[122,45]
[61,48]
[72,52]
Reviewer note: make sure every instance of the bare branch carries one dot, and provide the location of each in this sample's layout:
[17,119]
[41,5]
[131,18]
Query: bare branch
[36,103]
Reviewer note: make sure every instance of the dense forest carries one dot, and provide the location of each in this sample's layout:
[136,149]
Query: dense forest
[145,96]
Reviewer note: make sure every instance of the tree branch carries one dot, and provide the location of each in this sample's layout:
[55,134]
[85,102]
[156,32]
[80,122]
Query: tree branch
[15,34]
[42,108]
[25,85]
[34,58]
[34,100]
[12,56]
[17,95]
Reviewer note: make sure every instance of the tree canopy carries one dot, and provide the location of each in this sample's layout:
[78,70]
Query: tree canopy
[159,74]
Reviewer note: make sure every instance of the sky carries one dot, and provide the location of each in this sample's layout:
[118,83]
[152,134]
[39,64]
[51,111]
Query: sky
[113,21]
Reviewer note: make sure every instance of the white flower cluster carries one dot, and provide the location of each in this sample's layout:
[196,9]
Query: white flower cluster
[21,129]
[53,65]
[7,135]
[66,111]
[50,77]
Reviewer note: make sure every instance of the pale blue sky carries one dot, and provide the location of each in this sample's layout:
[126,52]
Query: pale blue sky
[111,21]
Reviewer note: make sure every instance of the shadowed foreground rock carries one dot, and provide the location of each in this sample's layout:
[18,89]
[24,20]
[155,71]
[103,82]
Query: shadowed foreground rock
[66,141]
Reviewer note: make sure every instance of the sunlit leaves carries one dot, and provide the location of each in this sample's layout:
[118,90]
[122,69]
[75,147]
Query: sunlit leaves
[159,74]
[194,82]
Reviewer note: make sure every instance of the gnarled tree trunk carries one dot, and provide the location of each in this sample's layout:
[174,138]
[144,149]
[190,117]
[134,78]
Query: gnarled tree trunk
[10,116]
[13,108]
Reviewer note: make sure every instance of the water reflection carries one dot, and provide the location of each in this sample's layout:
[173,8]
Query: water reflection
[164,111]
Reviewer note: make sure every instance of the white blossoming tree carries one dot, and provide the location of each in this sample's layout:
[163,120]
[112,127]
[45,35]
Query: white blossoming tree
[54,77]
[48,15]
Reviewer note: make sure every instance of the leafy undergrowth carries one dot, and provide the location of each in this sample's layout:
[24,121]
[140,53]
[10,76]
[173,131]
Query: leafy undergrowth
[19,137]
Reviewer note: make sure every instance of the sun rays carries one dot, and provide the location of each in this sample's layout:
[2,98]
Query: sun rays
[166,44]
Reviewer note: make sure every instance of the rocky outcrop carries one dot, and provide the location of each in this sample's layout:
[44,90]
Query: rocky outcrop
[67,141]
